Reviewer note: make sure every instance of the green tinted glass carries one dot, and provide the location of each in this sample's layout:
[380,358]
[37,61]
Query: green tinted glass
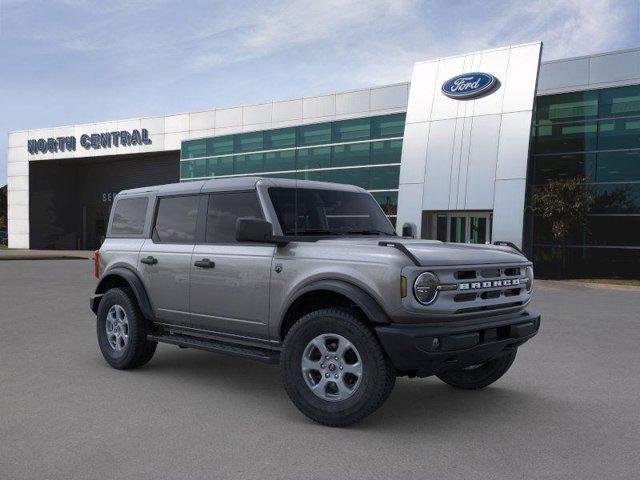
[388,151]
[280,138]
[383,178]
[348,155]
[620,102]
[566,107]
[573,137]
[388,126]
[220,166]
[351,176]
[571,165]
[314,134]
[194,148]
[248,142]
[318,176]
[614,134]
[250,163]
[220,145]
[275,161]
[618,167]
[352,130]
[388,201]
[186,169]
[319,157]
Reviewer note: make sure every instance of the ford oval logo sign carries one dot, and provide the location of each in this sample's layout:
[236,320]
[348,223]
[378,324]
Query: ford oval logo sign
[468,85]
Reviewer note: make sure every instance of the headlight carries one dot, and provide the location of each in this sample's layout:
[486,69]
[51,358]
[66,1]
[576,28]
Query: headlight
[425,288]
[529,275]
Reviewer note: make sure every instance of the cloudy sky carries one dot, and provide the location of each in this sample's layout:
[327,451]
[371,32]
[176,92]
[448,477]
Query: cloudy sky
[74,61]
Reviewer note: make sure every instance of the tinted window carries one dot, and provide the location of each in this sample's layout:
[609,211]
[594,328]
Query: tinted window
[176,220]
[128,216]
[307,211]
[224,209]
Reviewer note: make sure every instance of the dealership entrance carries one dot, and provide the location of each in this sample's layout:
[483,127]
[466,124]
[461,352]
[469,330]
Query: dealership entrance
[458,227]
[70,200]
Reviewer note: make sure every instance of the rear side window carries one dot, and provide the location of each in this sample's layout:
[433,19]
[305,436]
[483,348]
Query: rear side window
[176,219]
[224,209]
[129,215]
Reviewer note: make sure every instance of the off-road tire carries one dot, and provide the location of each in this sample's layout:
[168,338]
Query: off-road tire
[378,376]
[481,376]
[138,350]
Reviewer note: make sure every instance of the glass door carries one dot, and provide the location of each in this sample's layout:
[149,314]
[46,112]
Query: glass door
[462,227]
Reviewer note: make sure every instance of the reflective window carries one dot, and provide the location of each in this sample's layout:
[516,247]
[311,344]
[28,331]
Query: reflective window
[384,178]
[223,211]
[318,157]
[316,176]
[176,219]
[250,163]
[247,142]
[284,160]
[388,201]
[620,102]
[220,145]
[280,138]
[316,134]
[570,165]
[388,151]
[567,107]
[618,166]
[619,134]
[220,166]
[129,215]
[388,126]
[574,137]
[352,130]
[194,148]
[351,176]
[349,155]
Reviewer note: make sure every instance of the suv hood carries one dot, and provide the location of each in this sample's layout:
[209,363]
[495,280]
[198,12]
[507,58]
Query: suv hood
[435,253]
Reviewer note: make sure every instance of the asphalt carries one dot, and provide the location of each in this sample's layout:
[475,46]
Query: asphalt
[568,408]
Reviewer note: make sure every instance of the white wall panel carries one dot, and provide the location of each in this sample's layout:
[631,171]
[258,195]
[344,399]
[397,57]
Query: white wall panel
[520,83]
[422,91]
[314,107]
[287,111]
[17,154]
[481,165]
[443,106]
[228,117]
[414,152]
[17,168]
[202,120]
[409,201]
[508,210]
[154,125]
[562,74]
[393,96]
[257,114]
[514,145]
[614,67]
[176,123]
[18,139]
[352,102]
[18,240]
[438,166]
[494,62]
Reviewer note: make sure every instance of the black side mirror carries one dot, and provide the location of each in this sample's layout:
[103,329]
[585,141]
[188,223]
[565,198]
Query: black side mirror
[407,231]
[251,229]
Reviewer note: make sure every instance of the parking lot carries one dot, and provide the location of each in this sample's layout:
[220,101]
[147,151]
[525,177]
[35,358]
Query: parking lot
[569,407]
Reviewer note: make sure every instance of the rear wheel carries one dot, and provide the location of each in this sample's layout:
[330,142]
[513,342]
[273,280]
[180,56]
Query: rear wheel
[122,330]
[479,376]
[334,368]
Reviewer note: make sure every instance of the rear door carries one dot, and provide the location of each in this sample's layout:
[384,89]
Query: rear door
[229,280]
[165,259]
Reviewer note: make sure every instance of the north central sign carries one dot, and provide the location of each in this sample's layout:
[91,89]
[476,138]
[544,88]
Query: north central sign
[469,85]
[93,141]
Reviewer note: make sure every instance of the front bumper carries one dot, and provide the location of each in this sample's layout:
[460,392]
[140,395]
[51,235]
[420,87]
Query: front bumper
[426,350]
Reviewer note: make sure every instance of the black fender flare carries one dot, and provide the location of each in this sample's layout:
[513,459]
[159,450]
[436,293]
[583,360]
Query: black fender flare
[134,282]
[369,306]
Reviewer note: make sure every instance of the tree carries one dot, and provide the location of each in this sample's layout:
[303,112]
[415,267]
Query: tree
[3,208]
[565,204]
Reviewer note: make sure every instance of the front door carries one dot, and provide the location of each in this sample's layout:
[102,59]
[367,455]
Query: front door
[229,280]
[165,259]
[463,227]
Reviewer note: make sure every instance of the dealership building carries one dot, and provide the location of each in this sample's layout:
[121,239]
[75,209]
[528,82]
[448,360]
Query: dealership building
[459,153]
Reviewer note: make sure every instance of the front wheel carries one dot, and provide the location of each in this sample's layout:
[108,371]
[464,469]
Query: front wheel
[334,369]
[479,376]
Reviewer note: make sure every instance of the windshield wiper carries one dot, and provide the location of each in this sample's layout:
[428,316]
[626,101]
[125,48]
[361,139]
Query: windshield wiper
[368,232]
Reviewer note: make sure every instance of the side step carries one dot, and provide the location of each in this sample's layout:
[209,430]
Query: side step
[252,353]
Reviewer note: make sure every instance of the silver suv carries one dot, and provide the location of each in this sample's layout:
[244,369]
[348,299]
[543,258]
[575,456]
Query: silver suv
[312,276]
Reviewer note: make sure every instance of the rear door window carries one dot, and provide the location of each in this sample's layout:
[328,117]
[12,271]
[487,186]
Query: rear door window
[176,219]
[224,209]
[128,216]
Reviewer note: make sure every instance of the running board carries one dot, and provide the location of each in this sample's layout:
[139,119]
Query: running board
[252,353]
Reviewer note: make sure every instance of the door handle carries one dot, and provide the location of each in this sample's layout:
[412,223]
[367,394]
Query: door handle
[204,263]
[149,260]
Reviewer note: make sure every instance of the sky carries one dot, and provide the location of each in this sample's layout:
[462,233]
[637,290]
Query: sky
[65,62]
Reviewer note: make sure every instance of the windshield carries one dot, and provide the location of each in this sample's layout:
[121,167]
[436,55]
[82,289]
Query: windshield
[307,211]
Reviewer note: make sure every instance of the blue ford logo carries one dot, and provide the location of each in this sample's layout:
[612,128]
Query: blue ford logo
[468,85]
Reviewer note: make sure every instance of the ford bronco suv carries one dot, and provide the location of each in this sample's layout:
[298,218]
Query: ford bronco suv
[312,276]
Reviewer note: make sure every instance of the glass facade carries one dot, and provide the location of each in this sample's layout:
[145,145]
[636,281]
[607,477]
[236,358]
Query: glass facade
[592,136]
[363,151]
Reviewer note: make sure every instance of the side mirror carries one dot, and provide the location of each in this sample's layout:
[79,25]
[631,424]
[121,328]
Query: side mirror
[408,230]
[251,229]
